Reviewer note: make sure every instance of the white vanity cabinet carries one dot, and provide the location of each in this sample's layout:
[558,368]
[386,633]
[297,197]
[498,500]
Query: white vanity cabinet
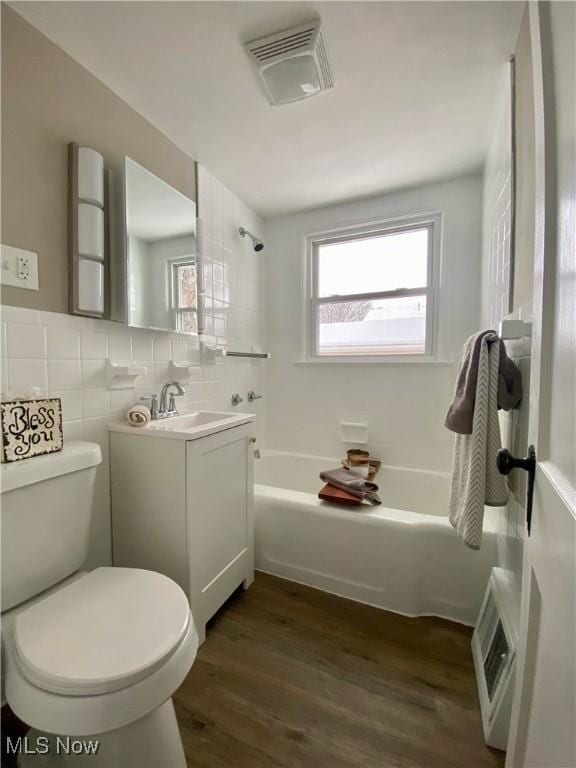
[185,508]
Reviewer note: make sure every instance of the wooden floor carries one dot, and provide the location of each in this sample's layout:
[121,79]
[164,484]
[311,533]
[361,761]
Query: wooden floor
[290,677]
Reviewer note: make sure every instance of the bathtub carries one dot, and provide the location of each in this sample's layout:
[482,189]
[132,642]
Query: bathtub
[403,556]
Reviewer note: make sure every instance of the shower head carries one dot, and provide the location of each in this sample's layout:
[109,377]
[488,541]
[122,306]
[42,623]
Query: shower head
[257,244]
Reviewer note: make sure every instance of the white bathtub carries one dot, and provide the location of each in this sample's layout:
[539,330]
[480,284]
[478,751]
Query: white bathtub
[403,556]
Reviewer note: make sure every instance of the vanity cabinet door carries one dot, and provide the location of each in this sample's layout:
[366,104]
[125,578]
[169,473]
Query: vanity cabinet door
[219,501]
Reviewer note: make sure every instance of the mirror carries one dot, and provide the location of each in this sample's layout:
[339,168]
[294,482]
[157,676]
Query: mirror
[160,252]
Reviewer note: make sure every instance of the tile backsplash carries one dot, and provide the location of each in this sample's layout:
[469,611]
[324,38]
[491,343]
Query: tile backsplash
[66,356]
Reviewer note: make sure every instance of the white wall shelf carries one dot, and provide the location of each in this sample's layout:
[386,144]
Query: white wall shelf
[181,371]
[124,375]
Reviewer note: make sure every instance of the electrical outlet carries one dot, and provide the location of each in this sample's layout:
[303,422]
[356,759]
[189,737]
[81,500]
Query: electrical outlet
[23,265]
[19,268]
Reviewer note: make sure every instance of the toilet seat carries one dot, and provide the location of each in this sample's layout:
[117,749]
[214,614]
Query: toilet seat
[101,633]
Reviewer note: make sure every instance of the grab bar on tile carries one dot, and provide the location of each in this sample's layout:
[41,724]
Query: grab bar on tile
[264,355]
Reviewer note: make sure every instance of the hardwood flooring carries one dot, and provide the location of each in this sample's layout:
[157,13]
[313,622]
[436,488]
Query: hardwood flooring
[291,677]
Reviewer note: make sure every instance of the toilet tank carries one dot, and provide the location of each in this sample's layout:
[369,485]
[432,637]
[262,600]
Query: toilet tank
[45,519]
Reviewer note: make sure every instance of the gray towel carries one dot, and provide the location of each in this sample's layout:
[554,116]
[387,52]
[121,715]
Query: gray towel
[354,484]
[461,413]
[476,481]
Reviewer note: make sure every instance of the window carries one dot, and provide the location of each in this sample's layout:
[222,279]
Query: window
[184,295]
[372,292]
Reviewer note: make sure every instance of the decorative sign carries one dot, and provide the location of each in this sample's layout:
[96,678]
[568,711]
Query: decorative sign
[31,428]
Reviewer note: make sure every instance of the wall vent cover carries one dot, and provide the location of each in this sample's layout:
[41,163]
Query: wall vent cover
[494,654]
[293,64]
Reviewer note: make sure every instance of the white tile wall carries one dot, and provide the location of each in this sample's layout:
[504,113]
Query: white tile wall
[62,343]
[404,405]
[497,214]
[65,356]
[496,275]
[232,271]
[514,428]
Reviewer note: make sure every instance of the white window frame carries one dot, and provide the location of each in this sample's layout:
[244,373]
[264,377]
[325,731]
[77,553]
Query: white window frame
[433,346]
[177,310]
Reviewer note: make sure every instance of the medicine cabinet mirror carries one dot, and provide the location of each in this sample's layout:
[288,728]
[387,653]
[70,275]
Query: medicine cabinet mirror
[161,254]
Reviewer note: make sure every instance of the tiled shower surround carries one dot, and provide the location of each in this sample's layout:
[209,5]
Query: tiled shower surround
[402,404]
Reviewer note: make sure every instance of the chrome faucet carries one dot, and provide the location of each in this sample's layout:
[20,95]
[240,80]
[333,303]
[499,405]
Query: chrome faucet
[167,405]
[163,411]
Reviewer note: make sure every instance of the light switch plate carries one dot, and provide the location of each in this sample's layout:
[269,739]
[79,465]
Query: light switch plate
[18,268]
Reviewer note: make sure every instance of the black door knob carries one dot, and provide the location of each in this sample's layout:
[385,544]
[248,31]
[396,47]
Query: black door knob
[506,462]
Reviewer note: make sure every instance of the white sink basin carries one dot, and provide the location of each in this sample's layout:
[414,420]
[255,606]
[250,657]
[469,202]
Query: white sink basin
[189,426]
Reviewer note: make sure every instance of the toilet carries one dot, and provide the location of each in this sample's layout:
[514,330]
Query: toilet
[90,660]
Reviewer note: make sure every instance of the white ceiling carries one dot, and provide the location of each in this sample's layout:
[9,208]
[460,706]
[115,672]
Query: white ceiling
[416,86]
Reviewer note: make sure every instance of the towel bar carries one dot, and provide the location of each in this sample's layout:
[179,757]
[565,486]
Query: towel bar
[514,329]
[264,355]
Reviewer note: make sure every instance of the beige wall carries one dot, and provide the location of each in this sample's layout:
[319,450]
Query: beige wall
[524,178]
[48,100]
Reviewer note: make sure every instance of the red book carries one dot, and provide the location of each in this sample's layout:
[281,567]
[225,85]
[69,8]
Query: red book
[338,496]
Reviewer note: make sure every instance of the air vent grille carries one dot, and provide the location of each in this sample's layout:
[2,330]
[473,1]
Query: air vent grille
[283,45]
[494,654]
[496,660]
[293,63]
[323,59]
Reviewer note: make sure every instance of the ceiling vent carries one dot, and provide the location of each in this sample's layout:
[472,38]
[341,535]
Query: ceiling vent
[293,64]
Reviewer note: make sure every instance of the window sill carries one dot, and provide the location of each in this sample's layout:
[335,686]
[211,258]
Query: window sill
[374,361]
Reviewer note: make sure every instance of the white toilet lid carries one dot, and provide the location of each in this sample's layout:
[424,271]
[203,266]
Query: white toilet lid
[104,631]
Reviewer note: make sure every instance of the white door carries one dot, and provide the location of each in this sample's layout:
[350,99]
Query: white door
[543,726]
